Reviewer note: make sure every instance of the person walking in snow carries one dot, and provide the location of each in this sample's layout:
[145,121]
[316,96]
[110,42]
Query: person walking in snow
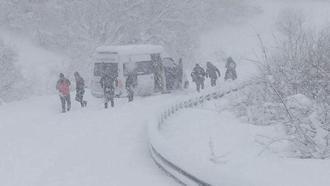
[231,69]
[198,76]
[80,89]
[63,87]
[213,73]
[108,84]
[179,74]
[130,84]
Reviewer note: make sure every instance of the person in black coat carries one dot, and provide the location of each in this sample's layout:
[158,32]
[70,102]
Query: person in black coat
[179,74]
[130,84]
[231,69]
[108,84]
[80,89]
[198,76]
[213,73]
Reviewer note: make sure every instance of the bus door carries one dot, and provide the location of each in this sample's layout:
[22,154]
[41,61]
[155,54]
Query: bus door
[101,69]
[142,67]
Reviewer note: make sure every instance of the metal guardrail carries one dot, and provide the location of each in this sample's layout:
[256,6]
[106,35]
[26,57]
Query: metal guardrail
[161,160]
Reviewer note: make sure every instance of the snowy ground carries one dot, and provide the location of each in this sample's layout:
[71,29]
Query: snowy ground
[40,146]
[213,145]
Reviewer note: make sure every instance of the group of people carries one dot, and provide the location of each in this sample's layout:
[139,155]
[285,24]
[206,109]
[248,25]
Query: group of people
[107,82]
[198,73]
[63,87]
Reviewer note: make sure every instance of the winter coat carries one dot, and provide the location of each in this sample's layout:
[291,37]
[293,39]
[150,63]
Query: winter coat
[80,83]
[108,84]
[170,75]
[63,86]
[230,74]
[131,81]
[212,71]
[230,64]
[198,74]
[180,71]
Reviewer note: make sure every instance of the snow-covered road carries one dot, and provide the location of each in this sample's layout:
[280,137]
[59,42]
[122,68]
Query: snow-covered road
[92,146]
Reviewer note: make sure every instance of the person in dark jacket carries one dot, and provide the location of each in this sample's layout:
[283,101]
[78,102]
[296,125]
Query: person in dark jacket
[170,76]
[213,73]
[63,87]
[179,74]
[108,84]
[130,84]
[198,76]
[80,89]
[231,69]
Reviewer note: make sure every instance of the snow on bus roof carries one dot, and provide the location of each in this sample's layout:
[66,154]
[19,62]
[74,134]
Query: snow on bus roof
[131,49]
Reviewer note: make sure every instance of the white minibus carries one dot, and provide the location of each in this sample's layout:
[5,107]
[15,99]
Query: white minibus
[144,60]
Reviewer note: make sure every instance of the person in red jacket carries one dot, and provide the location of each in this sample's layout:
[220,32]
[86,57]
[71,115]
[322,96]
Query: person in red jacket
[63,87]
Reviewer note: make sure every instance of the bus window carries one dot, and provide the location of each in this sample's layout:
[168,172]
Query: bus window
[140,68]
[108,68]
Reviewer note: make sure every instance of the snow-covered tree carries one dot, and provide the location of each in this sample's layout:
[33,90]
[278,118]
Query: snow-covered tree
[76,27]
[10,79]
[294,87]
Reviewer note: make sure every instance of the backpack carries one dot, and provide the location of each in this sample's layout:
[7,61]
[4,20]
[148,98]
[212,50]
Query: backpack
[64,88]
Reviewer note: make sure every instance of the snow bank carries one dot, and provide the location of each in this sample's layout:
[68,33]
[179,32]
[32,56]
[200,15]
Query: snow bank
[299,101]
[219,148]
